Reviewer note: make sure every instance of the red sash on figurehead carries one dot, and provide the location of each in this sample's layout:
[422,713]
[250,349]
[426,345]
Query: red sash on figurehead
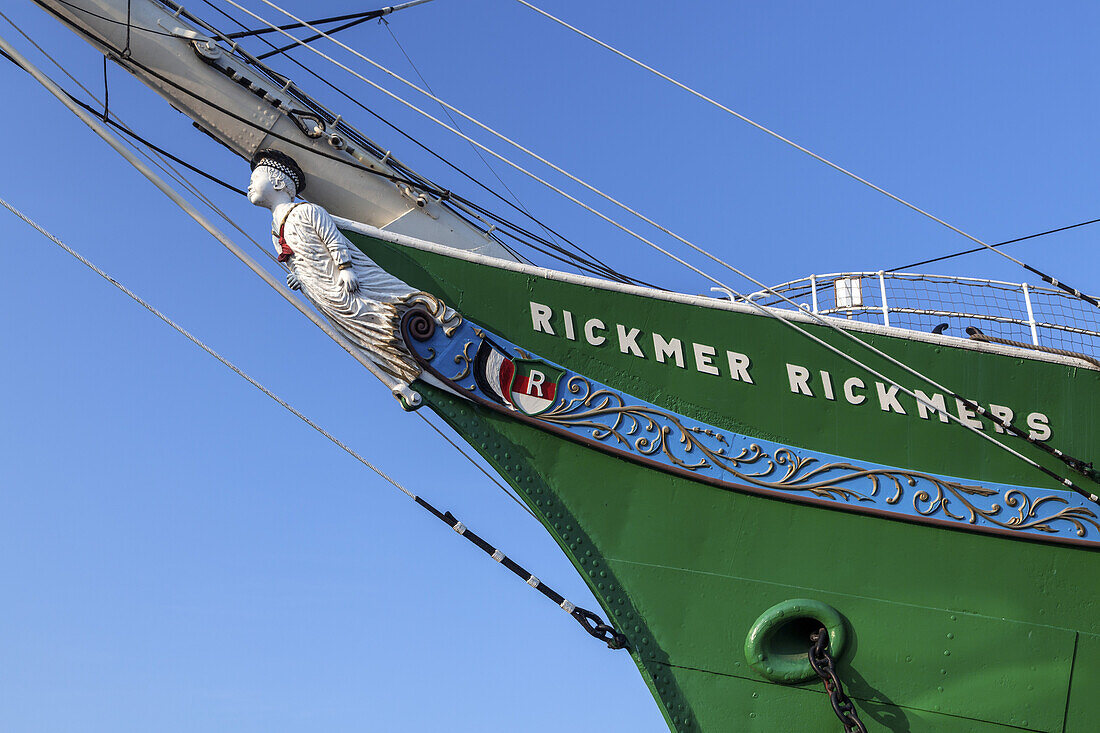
[285,252]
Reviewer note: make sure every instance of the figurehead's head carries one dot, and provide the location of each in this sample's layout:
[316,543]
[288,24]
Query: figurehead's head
[274,172]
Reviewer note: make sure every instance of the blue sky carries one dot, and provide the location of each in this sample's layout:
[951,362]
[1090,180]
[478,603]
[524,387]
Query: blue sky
[181,554]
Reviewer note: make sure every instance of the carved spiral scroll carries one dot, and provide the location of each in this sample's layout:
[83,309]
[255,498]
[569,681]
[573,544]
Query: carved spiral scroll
[419,325]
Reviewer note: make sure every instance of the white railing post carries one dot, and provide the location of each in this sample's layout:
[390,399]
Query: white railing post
[882,290]
[1030,315]
[813,290]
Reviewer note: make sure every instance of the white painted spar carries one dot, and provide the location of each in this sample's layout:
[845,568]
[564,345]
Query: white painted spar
[146,32]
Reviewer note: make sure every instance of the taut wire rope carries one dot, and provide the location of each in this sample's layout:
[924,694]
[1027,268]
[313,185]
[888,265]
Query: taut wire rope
[972,250]
[585,262]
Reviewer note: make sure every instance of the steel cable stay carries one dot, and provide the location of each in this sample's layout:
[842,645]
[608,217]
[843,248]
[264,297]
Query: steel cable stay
[455,131]
[1073,463]
[428,188]
[1078,465]
[360,19]
[369,14]
[591,622]
[998,244]
[1046,278]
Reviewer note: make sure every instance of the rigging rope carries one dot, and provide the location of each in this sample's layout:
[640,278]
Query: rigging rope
[157,158]
[1075,464]
[290,46]
[998,244]
[475,464]
[597,269]
[130,133]
[590,621]
[1046,278]
[368,15]
[362,18]
[446,111]
[126,23]
[608,271]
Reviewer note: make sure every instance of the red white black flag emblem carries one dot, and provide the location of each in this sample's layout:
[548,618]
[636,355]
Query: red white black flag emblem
[527,385]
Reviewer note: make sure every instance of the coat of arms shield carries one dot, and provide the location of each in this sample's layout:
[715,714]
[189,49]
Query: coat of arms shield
[534,385]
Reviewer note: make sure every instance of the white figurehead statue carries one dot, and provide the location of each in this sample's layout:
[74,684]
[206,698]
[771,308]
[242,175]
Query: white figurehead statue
[364,302]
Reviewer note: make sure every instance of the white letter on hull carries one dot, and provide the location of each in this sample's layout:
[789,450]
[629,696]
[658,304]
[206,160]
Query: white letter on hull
[968,416]
[739,367]
[799,379]
[664,349]
[628,342]
[850,385]
[540,318]
[1040,426]
[590,327]
[569,332]
[888,398]
[703,354]
[1002,413]
[927,405]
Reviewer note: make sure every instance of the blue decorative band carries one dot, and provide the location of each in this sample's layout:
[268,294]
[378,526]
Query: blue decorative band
[490,370]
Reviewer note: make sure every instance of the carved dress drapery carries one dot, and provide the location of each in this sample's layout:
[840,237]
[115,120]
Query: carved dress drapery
[369,317]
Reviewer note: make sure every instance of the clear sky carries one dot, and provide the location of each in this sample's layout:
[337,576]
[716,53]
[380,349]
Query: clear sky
[178,553]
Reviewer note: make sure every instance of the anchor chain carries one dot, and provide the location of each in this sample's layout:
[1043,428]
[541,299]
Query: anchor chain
[826,670]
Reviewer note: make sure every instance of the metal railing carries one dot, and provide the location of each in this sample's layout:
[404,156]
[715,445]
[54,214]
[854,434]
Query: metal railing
[1043,317]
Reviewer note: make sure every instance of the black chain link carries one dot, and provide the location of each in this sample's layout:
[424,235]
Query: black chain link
[595,626]
[826,670]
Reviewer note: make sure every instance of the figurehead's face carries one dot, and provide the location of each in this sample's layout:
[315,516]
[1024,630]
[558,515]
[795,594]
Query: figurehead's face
[268,187]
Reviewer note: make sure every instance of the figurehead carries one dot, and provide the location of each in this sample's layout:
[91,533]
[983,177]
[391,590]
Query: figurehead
[274,175]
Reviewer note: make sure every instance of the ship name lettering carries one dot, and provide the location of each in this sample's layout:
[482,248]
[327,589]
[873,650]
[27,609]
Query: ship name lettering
[633,341]
[802,381]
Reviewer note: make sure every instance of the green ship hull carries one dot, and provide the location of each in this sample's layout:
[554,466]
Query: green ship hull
[966,600]
[949,629]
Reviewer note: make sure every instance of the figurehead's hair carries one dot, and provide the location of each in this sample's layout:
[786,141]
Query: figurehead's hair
[284,164]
